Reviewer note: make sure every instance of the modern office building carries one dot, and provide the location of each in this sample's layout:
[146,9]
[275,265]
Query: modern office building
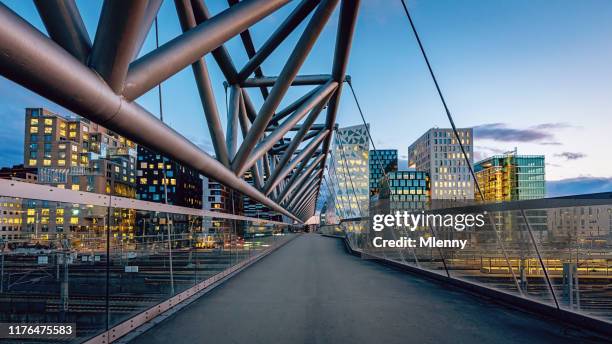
[380,161]
[406,189]
[349,171]
[438,152]
[76,154]
[511,177]
[257,210]
[165,181]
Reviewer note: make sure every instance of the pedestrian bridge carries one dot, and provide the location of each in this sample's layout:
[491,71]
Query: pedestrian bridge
[312,290]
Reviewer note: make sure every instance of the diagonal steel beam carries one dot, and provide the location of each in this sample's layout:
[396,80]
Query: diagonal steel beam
[344,38]
[288,73]
[298,196]
[160,64]
[305,154]
[220,54]
[65,26]
[317,101]
[117,40]
[249,47]
[297,141]
[244,127]
[293,20]
[83,92]
[293,106]
[297,180]
[147,22]
[202,78]
[231,138]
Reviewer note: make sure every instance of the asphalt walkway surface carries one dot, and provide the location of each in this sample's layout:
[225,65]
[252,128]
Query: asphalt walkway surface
[312,291]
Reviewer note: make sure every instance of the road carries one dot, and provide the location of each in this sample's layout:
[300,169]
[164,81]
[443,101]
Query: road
[312,291]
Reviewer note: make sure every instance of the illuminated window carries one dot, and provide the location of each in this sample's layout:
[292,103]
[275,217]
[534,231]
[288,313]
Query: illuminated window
[32,162]
[74,220]
[143,180]
[61,186]
[33,130]
[59,212]
[160,165]
[47,162]
[30,220]
[31,212]
[75,187]
[44,220]
[61,162]
[72,134]
[34,121]
[62,132]
[59,220]
[143,165]
[48,121]
[44,211]
[73,125]
[74,148]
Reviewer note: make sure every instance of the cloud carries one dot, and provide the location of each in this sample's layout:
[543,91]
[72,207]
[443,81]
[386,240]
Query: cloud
[571,155]
[579,185]
[540,133]
[552,143]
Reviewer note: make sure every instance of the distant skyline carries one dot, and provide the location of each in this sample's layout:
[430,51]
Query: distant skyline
[535,75]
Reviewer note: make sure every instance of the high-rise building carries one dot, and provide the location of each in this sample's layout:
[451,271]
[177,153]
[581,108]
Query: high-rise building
[160,177]
[381,161]
[438,152]
[76,154]
[255,209]
[350,172]
[220,198]
[511,177]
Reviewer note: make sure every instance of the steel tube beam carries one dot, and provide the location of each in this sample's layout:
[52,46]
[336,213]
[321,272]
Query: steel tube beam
[300,80]
[149,17]
[317,101]
[65,26]
[116,40]
[317,127]
[283,147]
[302,208]
[170,58]
[83,92]
[207,97]
[298,139]
[293,106]
[287,75]
[278,36]
[297,180]
[244,126]
[231,138]
[221,55]
[249,47]
[344,38]
[298,196]
[305,154]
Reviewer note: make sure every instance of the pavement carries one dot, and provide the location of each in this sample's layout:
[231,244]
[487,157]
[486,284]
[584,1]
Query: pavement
[312,291]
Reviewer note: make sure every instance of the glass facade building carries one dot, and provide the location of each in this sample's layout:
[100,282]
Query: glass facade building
[407,189]
[511,177]
[381,161]
[349,172]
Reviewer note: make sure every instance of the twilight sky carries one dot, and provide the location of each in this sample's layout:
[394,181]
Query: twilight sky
[532,74]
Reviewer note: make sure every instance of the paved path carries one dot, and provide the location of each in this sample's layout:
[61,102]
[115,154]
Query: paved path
[312,291]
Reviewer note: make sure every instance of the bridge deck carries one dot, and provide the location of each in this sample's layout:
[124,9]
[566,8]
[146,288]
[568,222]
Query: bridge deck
[312,291]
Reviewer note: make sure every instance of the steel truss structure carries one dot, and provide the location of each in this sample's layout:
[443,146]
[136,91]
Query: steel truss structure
[101,81]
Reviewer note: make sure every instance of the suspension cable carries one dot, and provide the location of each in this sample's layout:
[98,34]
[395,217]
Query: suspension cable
[448,113]
[467,160]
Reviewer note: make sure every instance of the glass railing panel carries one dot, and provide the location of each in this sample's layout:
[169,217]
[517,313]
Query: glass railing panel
[53,264]
[576,246]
